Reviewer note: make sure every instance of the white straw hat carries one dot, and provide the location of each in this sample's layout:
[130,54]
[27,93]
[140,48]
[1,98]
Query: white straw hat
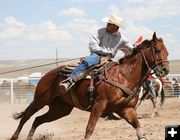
[113,19]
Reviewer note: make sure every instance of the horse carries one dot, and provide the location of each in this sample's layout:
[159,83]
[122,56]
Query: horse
[116,90]
[145,95]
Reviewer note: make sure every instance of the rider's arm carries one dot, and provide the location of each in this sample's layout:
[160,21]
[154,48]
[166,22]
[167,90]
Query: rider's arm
[124,45]
[94,46]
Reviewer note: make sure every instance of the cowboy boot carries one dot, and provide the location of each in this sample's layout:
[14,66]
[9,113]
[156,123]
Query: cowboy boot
[66,84]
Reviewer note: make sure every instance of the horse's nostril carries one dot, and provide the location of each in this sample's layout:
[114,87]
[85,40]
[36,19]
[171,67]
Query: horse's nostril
[164,69]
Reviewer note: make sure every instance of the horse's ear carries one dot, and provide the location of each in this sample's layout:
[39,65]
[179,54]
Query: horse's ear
[154,36]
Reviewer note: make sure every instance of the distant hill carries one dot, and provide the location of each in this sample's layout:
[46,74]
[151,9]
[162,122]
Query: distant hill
[34,65]
[174,66]
[47,64]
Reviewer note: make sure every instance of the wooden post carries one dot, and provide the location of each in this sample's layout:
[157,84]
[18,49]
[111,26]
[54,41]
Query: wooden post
[12,92]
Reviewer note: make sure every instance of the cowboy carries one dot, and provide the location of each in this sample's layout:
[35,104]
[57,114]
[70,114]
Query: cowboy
[106,42]
[150,85]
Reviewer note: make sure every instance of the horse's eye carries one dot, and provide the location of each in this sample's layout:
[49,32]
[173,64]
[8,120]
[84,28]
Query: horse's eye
[157,51]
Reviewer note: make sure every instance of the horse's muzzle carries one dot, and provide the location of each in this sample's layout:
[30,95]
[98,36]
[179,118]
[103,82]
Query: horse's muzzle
[165,70]
[162,71]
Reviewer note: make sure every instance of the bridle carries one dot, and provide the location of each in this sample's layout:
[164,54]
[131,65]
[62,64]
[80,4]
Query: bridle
[132,94]
[150,68]
[156,63]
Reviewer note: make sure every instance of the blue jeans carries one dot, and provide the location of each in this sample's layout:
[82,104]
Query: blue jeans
[151,88]
[89,61]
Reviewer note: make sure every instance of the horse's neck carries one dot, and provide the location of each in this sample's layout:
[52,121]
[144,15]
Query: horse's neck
[133,70]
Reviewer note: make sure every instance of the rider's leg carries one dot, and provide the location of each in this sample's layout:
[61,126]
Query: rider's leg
[77,73]
[152,90]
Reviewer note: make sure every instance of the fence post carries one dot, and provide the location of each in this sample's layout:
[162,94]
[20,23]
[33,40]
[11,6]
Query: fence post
[12,93]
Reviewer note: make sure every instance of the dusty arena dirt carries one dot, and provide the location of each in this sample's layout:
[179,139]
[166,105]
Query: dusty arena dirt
[73,126]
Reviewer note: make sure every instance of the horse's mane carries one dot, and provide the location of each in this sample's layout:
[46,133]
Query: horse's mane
[145,44]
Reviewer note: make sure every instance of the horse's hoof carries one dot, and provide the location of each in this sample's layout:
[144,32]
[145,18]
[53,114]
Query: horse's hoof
[143,138]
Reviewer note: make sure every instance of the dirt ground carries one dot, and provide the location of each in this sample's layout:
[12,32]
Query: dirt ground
[73,126]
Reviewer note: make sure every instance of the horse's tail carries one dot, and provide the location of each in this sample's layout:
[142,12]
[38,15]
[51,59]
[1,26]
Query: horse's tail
[162,96]
[17,116]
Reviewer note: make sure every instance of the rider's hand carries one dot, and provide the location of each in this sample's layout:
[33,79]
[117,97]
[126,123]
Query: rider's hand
[82,59]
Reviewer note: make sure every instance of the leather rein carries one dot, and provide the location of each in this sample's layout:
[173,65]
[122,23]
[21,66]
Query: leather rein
[131,94]
[156,63]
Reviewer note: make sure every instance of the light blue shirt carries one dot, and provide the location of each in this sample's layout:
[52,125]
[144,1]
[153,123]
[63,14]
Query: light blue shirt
[109,43]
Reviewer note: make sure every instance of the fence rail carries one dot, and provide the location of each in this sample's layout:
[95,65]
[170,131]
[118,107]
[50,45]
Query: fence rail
[17,94]
[13,93]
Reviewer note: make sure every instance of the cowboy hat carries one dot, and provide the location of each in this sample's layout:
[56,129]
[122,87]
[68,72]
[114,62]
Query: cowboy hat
[113,19]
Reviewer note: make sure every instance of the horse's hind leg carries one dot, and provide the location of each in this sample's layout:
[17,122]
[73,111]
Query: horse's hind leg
[129,114]
[30,110]
[155,112]
[57,109]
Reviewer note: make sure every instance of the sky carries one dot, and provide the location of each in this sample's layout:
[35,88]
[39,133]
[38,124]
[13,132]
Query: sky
[36,29]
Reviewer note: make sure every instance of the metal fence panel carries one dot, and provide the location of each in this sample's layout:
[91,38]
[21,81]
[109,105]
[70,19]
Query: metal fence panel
[16,93]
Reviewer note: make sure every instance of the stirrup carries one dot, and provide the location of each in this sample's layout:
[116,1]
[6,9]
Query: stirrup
[67,82]
[71,85]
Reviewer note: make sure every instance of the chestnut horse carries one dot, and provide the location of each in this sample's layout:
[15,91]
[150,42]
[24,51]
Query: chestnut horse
[144,94]
[130,74]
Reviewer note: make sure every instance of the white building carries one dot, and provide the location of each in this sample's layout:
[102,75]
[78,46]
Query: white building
[34,78]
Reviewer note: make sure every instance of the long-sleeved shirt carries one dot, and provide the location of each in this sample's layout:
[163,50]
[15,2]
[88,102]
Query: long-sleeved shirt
[104,43]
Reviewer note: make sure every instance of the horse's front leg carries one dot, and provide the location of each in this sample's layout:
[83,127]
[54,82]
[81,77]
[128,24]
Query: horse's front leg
[130,115]
[97,110]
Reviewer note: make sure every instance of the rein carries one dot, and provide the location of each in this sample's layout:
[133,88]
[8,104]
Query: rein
[104,77]
[156,63]
[155,60]
[125,89]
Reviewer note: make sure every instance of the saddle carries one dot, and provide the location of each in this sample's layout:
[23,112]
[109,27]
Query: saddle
[67,70]
[98,72]
[91,73]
